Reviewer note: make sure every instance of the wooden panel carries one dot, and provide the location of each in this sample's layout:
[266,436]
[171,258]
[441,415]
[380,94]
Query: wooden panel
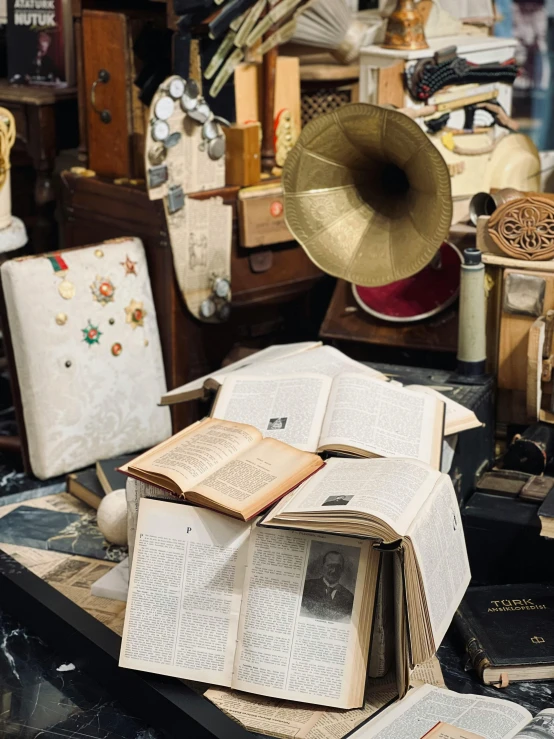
[106,46]
[242,154]
[390,87]
[514,335]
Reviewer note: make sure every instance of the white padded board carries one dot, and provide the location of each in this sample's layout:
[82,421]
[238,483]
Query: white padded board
[86,400]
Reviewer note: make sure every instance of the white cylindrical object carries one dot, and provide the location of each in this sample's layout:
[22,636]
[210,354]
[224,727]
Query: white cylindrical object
[472,350]
[6,203]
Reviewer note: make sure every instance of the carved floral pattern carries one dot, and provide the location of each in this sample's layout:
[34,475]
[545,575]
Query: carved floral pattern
[524,228]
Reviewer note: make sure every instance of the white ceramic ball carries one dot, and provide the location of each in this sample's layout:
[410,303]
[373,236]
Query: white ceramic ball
[112,517]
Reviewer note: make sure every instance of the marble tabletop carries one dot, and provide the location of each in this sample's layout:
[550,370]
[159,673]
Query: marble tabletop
[40,701]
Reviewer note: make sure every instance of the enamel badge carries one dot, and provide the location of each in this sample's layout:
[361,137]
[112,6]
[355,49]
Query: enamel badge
[135,314]
[103,290]
[91,334]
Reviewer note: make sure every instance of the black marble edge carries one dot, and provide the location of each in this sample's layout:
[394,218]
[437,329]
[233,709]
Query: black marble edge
[164,702]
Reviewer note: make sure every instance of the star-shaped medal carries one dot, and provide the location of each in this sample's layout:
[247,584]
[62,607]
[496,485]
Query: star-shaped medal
[135,314]
[103,290]
[91,334]
[130,266]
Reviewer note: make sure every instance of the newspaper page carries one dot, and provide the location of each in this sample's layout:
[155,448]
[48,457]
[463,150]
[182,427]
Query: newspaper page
[438,541]
[289,720]
[424,707]
[201,235]
[299,629]
[289,408]
[392,490]
[185,592]
[379,417]
[72,576]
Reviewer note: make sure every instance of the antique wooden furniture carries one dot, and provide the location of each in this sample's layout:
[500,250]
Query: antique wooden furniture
[275,289]
[46,121]
[366,337]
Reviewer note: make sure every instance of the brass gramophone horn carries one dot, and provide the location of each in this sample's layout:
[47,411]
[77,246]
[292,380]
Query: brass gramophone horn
[367,194]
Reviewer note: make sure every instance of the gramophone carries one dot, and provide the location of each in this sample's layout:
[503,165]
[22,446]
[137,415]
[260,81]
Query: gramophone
[368,197]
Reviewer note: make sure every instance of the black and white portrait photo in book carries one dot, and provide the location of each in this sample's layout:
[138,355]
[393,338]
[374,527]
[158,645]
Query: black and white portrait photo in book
[330,581]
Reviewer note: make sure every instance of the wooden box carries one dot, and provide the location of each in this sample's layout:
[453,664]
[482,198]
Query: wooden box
[262,216]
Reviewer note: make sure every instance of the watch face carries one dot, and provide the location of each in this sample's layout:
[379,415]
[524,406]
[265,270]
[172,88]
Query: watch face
[164,108]
[207,308]
[201,112]
[210,130]
[221,287]
[160,130]
[189,100]
[176,88]
[216,148]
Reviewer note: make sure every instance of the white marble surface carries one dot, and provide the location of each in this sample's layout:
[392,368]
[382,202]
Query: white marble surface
[114,584]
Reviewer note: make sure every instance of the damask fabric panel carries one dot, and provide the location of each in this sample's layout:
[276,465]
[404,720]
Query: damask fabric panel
[87,353]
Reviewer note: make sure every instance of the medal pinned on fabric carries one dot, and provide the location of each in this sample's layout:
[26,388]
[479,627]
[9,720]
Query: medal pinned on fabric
[135,314]
[91,334]
[103,290]
[66,288]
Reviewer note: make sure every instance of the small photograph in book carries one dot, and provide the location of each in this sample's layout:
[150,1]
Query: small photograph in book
[276,424]
[331,574]
[337,500]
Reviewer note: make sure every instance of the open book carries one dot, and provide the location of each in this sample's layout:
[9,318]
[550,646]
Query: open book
[228,603]
[393,500]
[226,466]
[489,718]
[352,412]
[198,388]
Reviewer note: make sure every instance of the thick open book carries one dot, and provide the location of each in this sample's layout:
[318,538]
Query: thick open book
[489,718]
[400,501]
[226,466]
[284,614]
[199,387]
[351,412]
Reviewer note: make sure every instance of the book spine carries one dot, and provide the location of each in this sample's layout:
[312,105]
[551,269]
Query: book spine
[477,655]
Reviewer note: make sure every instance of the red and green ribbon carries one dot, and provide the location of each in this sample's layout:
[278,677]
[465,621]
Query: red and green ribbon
[57,262]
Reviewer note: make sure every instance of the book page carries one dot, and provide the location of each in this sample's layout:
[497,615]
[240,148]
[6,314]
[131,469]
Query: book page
[457,417]
[422,708]
[298,635]
[189,457]
[384,419]
[289,407]
[262,473]
[438,541]
[323,360]
[185,592]
[134,491]
[270,354]
[392,490]
[541,725]
[447,731]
